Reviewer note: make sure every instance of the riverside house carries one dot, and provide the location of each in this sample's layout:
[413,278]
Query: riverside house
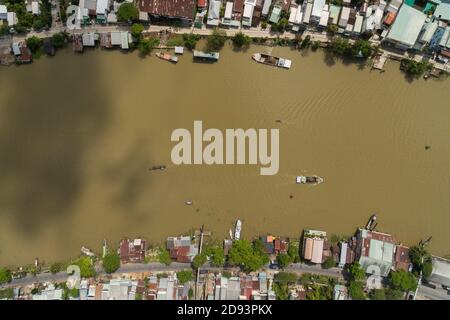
[182,10]
[132,251]
[313,245]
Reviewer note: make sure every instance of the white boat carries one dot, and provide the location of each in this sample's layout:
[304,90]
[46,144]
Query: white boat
[87,252]
[308,180]
[237,230]
[272,60]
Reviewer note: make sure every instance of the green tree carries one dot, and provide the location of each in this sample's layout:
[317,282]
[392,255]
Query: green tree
[419,256]
[394,294]
[329,263]
[362,48]
[34,43]
[185,276]
[4,30]
[357,273]
[283,260]
[190,40]
[137,29]
[294,252]
[127,12]
[164,256]
[377,294]
[355,290]
[145,46]
[216,255]
[5,275]
[59,40]
[332,29]
[7,293]
[240,40]
[86,266]
[56,267]
[286,277]
[403,280]
[281,291]
[249,256]
[427,269]
[306,43]
[199,260]
[216,40]
[340,46]
[190,294]
[111,261]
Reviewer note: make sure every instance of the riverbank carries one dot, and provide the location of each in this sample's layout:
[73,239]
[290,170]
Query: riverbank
[259,36]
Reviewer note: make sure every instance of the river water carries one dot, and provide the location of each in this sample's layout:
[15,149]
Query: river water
[79,132]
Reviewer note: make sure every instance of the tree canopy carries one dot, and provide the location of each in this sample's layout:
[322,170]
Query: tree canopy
[329,263]
[185,276]
[403,280]
[137,29]
[216,255]
[216,40]
[127,12]
[145,46]
[199,260]
[249,256]
[5,275]
[240,40]
[164,256]
[357,273]
[355,290]
[111,261]
[86,266]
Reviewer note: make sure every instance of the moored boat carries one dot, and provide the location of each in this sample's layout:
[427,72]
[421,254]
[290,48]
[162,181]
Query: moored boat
[211,56]
[308,179]
[167,57]
[237,230]
[272,60]
[87,251]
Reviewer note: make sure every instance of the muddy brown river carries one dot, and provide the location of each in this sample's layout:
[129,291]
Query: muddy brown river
[78,134]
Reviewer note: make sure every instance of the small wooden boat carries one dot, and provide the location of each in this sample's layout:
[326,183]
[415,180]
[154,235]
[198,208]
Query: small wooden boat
[160,167]
[237,230]
[272,60]
[87,251]
[167,57]
[308,180]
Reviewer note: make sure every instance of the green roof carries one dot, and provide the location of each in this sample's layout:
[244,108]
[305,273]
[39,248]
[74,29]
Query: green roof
[407,26]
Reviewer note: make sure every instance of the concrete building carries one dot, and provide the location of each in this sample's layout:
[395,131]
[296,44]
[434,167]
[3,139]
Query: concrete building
[406,28]
[375,250]
[214,13]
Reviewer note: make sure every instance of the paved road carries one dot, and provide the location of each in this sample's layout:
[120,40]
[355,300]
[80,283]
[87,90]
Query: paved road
[127,268]
[315,269]
[433,294]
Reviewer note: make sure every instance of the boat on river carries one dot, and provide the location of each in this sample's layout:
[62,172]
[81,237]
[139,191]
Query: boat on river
[308,179]
[206,56]
[237,230]
[272,60]
[167,57]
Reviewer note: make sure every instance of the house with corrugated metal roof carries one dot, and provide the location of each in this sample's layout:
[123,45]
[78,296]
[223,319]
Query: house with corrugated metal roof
[375,251]
[406,28]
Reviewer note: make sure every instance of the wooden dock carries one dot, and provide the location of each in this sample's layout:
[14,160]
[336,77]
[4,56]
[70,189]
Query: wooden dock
[379,62]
